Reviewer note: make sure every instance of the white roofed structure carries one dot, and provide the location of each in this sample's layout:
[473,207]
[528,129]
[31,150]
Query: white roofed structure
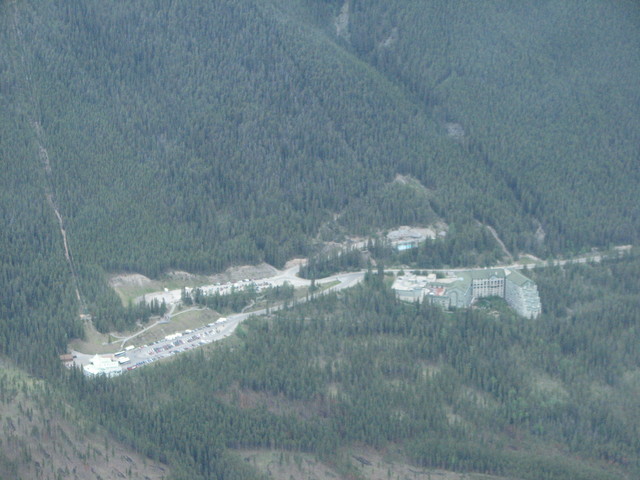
[102,366]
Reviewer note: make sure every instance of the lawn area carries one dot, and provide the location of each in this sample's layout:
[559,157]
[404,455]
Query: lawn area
[324,286]
[180,321]
[529,260]
[96,342]
[129,292]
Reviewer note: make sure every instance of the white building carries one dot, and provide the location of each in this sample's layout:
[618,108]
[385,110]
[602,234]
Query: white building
[522,295]
[463,289]
[487,283]
[102,366]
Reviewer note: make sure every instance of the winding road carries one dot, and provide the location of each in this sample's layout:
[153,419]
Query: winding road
[147,354]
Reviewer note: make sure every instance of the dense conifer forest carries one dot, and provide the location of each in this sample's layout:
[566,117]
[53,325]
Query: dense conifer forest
[479,390]
[149,136]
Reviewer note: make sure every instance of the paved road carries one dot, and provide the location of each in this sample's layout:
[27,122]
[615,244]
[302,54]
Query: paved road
[595,257]
[289,275]
[191,339]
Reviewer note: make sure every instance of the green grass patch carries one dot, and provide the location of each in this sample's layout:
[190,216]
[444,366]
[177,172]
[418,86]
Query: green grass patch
[180,321]
[130,293]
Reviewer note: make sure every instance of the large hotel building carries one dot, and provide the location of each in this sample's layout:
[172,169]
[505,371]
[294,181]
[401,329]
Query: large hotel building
[460,289]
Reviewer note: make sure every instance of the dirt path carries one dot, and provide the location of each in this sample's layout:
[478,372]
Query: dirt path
[166,319]
[253,302]
[32,115]
[502,245]
[67,250]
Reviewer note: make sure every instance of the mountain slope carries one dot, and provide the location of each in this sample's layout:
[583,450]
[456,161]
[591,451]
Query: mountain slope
[477,390]
[43,437]
[544,92]
[197,135]
[167,124]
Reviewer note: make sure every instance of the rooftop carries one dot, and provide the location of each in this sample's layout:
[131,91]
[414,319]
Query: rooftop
[517,278]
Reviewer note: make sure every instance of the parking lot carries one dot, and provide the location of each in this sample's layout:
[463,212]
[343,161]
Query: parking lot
[174,344]
[133,357]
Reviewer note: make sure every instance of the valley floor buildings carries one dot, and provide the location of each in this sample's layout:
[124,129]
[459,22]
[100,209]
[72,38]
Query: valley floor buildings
[460,289]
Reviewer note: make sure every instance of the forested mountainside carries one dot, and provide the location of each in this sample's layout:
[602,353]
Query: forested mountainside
[204,133]
[194,135]
[478,390]
[543,92]
[153,135]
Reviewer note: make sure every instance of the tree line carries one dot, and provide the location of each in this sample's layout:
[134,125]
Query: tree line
[452,389]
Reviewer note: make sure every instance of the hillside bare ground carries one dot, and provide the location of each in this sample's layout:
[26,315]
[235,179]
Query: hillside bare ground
[42,438]
[133,286]
[363,464]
